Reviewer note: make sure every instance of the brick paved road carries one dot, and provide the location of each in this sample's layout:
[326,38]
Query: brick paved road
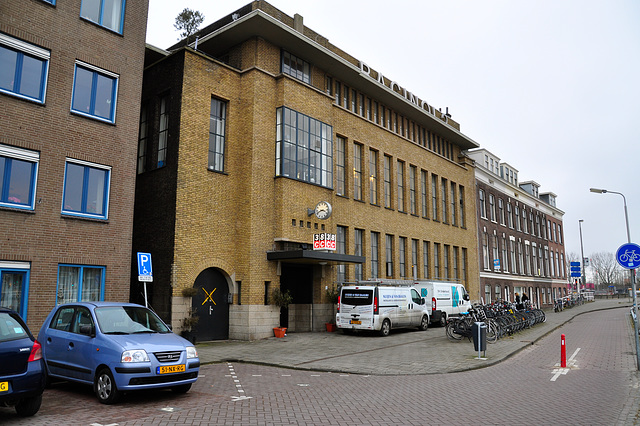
[599,388]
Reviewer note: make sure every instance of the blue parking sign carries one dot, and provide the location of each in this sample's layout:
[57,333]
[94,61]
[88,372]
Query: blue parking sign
[145,271]
[628,256]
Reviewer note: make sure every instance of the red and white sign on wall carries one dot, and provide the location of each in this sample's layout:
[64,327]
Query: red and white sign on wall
[324,241]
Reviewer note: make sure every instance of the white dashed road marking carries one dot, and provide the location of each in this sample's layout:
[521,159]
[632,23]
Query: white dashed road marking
[232,374]
[571,363]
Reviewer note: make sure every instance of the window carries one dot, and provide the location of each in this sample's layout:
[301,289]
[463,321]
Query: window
[463,265]
[555,236]
[402,249]
[18,177]
[485,250]
[389,254]
[340,165]
[14,286]
[434,197]
[501,210]
[483,206]
[461,191]
[492,207]
[78,283]
[504,262]
[423,188]
[341,248]
[452,200]
[94,92]
[107,13]
[358,251]
[495,251]
[295,67]
[217,120]
[24,70]
[413,201]
[456,273]
[375,242]
[414,258]
[525,227]
[163,131]
[436,260]
[445,257]
[512,255]
[425,259]
[387,181]
[303,148]
[143,138]
[510,215]
[373,176]
[559,234]
[517,217]
[400,172]
[443,197]
[86,189]
[357,172]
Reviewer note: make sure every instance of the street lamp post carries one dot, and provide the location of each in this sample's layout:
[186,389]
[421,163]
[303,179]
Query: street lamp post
[632,272]
[584,281]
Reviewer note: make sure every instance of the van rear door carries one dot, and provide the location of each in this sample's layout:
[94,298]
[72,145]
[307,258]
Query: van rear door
[356,307]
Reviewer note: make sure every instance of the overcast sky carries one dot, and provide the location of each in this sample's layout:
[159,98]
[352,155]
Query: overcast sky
[549,86]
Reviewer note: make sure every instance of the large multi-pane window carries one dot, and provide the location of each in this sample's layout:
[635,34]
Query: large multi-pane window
[503,260]
[495,250]
[452,200]
[357,171]
[525,227]
[436,260]
[375,262]
[456,273]
[492,207]
[425,259]
[414,258]
[341,248]
[78,283]
[373,176]
[107,13]
[163,131]
[413,201]
[512,255]
[527,257]
[521,269]
[18,177]
[387,181]
[485,250]
[481,202]
[389,255]
[510,215]
[400,177]
[94,92]
[358,251]
[304,148]
[217,125]
[14,282]
[463,264]
[24,69]
[296,67]
[402,249]
[341,159]
[445,260]
[462,216]
[501,210]
[434,197]
[517,219]
[443,198]
[86,189]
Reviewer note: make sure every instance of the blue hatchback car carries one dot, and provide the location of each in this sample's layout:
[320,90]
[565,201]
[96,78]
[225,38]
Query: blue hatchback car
[116,347]
[22,376]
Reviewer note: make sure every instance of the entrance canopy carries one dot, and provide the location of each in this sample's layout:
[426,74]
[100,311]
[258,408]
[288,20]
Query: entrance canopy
[313,257]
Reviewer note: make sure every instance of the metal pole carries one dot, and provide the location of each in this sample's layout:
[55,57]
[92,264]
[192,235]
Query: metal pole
[584,282]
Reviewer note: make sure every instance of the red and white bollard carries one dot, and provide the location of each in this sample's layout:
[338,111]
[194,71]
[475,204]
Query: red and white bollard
[563,352]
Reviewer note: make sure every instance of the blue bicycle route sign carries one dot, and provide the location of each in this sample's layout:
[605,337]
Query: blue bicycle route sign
[628,256]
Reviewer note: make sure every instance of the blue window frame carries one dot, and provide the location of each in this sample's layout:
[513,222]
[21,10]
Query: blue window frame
[80,283]
[107,13]
[86,189]
[53,2]
[24,69]
[94,92]
[14,286]
[18,176]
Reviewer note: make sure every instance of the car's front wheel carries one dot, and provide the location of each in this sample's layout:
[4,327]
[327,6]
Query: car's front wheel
[181,388]
[105,387]
[29,406]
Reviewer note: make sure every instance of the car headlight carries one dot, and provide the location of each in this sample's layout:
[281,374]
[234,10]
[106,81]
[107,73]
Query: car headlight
[191,352]
[136,355]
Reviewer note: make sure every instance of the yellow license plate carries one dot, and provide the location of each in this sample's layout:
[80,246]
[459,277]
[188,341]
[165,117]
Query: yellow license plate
[4,386]
[168,369]
[356,322]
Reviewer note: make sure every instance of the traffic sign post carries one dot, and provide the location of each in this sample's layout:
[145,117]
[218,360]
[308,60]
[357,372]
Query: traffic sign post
[145,272]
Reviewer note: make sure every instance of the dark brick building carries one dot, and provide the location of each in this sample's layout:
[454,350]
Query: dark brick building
[70,83]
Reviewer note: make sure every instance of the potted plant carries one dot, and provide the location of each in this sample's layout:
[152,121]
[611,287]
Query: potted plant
[282,299]
[332,294]
[191,320]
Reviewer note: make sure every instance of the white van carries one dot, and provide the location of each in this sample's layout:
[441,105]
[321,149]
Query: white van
[380,308]
[447,299]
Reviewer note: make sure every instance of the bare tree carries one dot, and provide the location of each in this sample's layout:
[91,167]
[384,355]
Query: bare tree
[188,22]
[606,269]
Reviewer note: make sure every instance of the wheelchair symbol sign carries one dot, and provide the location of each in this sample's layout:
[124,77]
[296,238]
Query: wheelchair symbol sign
[145,271]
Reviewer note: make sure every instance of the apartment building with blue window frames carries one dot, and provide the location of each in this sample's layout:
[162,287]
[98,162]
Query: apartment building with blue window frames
[68,142]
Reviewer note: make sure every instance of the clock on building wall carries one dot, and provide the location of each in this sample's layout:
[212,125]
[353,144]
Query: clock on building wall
[323,210]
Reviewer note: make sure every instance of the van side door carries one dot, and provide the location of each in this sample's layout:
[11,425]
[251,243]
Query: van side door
[418,305]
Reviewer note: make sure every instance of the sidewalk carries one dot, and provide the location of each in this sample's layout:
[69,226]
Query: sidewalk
[404,352]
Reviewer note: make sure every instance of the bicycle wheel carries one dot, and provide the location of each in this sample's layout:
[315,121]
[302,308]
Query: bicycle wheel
[492,331]
[450,330]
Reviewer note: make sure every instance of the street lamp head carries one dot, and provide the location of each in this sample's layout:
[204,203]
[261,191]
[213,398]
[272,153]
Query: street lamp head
[598,191]
[581,220]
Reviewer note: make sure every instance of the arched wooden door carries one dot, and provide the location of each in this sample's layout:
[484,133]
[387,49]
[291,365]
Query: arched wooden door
[211,306]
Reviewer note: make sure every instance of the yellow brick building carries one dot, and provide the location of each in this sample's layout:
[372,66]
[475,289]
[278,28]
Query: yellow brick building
[249,133]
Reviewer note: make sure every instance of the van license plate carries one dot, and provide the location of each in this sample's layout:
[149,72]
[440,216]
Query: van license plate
[356,322]
[4,387]
[167,369]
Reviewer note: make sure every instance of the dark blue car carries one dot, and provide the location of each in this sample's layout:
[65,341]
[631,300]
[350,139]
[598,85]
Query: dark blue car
[22,374]
[116,347]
